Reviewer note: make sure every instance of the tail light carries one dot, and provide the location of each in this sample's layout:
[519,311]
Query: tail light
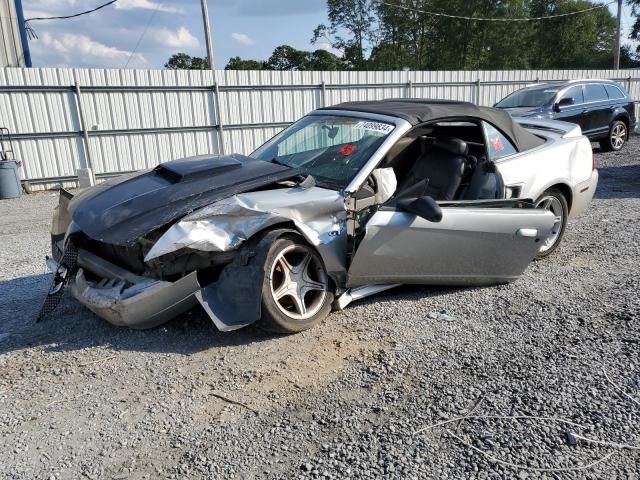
[593,161]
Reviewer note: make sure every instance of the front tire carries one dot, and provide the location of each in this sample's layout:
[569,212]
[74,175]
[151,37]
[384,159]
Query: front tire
[296,292]
[554,201]
[616,138]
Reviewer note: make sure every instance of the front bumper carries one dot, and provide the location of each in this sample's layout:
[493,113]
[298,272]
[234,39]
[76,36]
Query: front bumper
[125,299]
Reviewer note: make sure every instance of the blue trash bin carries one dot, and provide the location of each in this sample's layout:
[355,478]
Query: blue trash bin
[10,186]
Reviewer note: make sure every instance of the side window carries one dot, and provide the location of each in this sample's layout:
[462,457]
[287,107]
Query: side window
[498,145]
[594,93]
[613,92]
[574,92]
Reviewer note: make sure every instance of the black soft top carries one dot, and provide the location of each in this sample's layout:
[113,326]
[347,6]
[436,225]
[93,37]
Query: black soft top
[419,111]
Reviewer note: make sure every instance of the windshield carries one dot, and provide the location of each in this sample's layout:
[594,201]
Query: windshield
[529,97]
[331,148]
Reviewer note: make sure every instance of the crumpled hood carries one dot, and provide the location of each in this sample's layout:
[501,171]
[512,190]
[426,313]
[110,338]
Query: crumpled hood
[123,209]
[318,213]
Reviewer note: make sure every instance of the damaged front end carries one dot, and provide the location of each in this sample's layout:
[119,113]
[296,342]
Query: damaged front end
[125,299]
[213,256]
[114,293]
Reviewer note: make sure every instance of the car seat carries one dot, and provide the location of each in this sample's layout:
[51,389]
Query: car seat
[443,165]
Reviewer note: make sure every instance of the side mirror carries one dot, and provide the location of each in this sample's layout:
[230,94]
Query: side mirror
[564,102]
[385,184]
[424,207]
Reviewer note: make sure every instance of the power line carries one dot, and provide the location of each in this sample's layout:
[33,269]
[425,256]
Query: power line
[151,17]
[71,16]
[32,33]
[479,19]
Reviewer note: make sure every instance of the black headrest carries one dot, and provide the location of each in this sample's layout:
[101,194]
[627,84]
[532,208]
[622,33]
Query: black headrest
[399,148]
[451,145]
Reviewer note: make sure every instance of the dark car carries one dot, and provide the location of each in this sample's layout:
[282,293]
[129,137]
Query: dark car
[602,108]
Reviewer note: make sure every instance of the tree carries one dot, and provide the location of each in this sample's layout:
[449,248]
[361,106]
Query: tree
[285,57]
[635,30]
[183,61]
[356,18]
[578,41]
[629,58]
[398,34]
[236,63]
[409,35]
[323,60]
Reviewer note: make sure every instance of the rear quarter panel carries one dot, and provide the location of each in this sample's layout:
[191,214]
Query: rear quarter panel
[560,161]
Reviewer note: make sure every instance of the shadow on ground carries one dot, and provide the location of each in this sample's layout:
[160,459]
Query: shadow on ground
[619,182]
[72,327]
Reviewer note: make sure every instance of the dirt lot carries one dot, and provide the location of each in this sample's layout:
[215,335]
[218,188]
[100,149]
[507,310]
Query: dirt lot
[81,398]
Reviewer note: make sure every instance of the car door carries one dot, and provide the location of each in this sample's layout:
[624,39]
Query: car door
[475,242]
[574,113]
[596,109]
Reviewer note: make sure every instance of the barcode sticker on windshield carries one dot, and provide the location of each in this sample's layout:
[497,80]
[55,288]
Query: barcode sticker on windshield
[374,126]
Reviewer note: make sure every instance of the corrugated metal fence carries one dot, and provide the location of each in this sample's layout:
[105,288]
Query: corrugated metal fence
[122,120]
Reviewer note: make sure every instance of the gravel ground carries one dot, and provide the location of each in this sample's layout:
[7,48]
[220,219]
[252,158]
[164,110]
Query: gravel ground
[81,398]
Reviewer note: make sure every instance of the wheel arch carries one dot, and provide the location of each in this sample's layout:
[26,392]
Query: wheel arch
[333,258]
[623,116]
[564,188]
[566,191]
[281,229]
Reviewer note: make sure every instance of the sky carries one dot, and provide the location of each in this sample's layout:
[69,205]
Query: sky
[145,33]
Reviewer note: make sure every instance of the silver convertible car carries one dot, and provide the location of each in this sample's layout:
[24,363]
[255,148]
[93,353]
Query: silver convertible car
[346,202]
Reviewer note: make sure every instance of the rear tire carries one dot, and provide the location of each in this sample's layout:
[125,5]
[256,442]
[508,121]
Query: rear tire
[553,200]
[296,292]
[616,138]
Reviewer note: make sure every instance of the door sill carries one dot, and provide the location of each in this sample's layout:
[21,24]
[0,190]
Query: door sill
[360,292]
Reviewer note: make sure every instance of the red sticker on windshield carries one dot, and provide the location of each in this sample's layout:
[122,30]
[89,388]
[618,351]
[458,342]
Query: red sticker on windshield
[347,149]
[496,143]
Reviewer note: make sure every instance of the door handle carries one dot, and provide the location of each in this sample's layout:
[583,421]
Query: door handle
[584,112]
[527,232]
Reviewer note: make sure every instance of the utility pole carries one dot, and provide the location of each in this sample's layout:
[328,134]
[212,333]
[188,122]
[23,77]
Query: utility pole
[616,52]
[207,34]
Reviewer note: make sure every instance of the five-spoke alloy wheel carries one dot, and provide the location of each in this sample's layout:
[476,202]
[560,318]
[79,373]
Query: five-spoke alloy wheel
[296,292]
[554,201]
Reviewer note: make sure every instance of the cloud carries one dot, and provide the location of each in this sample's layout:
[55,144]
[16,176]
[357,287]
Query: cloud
[46,8]
[242,38]
[73,47]
[146,5]
[181,38]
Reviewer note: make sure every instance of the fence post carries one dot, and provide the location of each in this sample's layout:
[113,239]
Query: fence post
[409,88]
[218,118]
[323,93]
[629,84]
[85,174]
[478,92]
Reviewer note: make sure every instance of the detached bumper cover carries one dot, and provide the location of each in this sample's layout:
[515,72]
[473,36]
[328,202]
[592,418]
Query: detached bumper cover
[125,299]
[143,305]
